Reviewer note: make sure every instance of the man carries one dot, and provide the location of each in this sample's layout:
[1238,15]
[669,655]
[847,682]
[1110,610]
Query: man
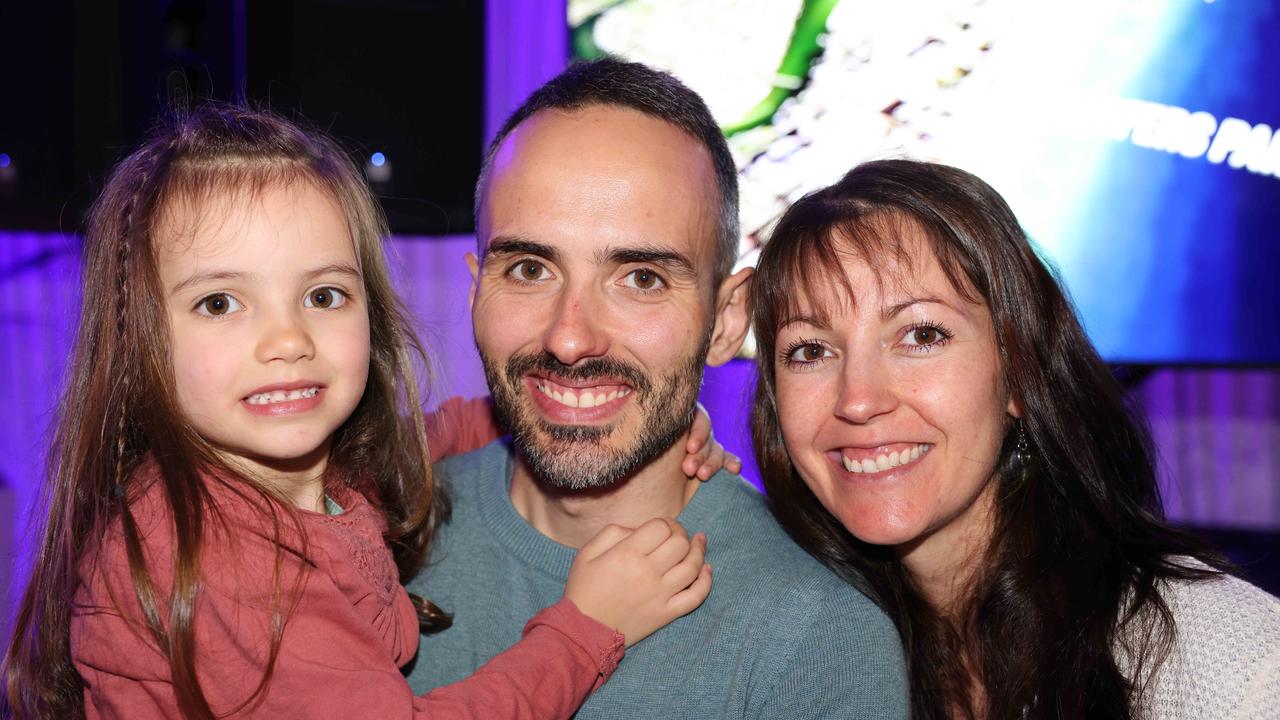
[607,232]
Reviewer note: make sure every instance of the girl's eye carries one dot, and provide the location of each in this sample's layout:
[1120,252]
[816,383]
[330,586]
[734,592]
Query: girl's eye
[325,298]
[217,305]
[530,271]
[644,279]
[926,336]
[805,353]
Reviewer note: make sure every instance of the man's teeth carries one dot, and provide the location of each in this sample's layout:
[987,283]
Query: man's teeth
[276,396]
[884,462]
[582,398]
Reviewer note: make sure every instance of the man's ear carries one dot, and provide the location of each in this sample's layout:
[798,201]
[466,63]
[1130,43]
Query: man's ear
[731,317]
[473,264]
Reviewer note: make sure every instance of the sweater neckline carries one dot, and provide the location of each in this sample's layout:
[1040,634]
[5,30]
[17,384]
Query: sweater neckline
[496,468]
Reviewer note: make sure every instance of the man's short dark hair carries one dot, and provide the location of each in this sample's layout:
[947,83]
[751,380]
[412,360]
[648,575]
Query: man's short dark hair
[612,82]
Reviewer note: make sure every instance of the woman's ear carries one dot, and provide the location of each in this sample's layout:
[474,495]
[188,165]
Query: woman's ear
[731,317]
[1015,407]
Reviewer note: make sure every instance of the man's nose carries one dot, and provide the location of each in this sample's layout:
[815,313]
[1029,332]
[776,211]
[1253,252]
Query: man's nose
[576,331]
[285,337]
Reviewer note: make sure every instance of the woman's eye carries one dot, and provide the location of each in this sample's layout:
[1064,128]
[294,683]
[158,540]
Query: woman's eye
[644,279]
[326,298]
[807,353]
[217,305]
[925,336]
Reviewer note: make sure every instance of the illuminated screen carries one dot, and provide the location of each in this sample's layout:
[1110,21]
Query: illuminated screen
[1135,140]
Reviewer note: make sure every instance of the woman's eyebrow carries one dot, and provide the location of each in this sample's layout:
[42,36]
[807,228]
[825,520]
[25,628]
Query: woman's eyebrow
[891,311]
[820,322]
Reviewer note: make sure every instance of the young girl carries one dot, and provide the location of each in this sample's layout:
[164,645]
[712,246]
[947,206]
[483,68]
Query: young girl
[232,463]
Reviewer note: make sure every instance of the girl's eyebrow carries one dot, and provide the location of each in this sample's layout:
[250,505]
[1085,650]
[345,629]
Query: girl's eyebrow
[335,268]
[218,275]
[209,276]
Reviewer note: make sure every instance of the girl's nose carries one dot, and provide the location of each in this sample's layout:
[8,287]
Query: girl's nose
[286,340]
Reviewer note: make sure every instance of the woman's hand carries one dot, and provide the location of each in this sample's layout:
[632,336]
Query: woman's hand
[636,581]
[704,456]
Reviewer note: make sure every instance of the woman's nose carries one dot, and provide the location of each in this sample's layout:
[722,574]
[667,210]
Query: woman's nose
[866,391]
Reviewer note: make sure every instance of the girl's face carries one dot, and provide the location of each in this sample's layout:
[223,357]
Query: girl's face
[893,407]
[270,324]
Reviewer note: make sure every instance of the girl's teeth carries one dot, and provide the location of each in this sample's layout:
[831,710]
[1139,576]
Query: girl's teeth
[276,396]
[886,461]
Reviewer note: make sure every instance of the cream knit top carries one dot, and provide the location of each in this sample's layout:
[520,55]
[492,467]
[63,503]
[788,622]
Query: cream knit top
[1225,663]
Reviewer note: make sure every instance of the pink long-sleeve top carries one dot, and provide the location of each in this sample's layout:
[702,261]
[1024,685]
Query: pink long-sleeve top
[351,628]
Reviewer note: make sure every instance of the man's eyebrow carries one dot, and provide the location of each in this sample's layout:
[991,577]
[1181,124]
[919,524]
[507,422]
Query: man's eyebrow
[209,276]
[520,246]
[674,261]
[891,311]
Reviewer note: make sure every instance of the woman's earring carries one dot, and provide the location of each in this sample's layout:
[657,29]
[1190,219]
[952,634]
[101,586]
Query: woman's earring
[1022,451]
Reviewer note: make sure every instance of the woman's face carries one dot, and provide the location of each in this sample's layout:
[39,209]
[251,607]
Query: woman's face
[893,405]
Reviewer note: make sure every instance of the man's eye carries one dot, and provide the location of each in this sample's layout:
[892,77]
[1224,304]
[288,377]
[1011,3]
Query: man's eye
[217,305]
[326,298]
[644,279]
[530,271]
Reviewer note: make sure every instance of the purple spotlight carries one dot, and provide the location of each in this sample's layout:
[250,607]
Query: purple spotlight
[5,160]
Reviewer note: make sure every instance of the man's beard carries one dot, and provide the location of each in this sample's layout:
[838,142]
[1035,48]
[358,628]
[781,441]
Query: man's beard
[578,457]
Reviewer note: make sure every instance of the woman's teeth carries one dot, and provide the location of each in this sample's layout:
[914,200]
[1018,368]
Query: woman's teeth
[277,396]
[582,398]
[884,462]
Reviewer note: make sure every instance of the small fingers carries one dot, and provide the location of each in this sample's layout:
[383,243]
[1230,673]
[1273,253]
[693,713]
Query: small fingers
[649,536]
[732,463]
[699,430]
[688,600]
[685,570]
[715,460]
[600,543]
[673,550]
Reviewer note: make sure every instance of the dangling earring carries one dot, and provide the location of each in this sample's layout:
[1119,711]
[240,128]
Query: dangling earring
[1022,450]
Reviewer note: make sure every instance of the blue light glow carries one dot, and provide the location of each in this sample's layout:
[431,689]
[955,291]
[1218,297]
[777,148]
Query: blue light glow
[5,160]
[378,159]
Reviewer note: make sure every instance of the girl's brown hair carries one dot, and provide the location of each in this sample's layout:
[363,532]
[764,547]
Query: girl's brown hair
[1079,543]
[120,405]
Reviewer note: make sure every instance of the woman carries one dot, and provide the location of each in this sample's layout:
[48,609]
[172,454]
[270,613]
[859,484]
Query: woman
[932,423]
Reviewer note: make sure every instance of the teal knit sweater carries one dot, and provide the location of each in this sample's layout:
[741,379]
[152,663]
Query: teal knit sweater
[779,637]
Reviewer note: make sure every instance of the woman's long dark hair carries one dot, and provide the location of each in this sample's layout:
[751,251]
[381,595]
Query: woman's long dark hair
[120,406]
[1079,542]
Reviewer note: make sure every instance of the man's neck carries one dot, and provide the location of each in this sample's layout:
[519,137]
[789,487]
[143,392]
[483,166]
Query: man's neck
[570,517]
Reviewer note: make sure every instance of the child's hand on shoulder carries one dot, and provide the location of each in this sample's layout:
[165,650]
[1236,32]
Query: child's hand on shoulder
[636,581]
[704,455]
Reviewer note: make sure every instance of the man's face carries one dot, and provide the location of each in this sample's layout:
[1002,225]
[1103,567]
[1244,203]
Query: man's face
[594,303]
